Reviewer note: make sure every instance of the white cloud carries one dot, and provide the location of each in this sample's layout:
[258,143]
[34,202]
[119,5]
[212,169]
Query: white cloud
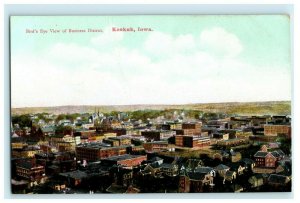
[107,38]
[220,42]
[166,45]
[70,74]
[71,54]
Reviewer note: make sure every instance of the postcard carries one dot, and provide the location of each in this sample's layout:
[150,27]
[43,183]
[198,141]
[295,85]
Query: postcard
[150,104]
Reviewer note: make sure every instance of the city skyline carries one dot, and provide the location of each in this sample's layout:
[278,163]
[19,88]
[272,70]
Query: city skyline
[184,60]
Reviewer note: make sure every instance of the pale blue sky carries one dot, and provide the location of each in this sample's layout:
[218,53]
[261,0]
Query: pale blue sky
[185,59]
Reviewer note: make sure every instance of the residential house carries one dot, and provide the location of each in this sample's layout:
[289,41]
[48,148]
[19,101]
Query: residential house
[197,180]
[191,164]
[73,178]
[276,180]
[152,169]
[206,170]
[264,148]
[169,169]
[48,130]
[249,164]
[237,167]
[265,159]
[122,176]
[156,159]
[256,180]
[273,145]
[221,169]
[118,189]
[230,176]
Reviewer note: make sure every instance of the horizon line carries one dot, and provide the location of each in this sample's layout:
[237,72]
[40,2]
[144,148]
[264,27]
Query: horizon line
[99,105]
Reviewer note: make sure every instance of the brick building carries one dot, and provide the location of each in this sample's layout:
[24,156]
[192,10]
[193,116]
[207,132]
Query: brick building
[97,151]
[119,131]
[18,145]
[157,135]
[122,140]
[191,182]
[156,146]
[126,160]
[24,153]
[265,159]
[189,129]
[232,142]
[111,142]
[222,136]
[29,170]
[64,143]
[275,130]
[259,121]
[191,141]
[175,126]
[194,127]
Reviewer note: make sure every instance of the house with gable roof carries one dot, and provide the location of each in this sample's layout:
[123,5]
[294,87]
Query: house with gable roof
[221,170]
[265,159]
[195,180]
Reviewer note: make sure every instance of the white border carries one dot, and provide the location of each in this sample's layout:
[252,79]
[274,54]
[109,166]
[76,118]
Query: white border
[208,8]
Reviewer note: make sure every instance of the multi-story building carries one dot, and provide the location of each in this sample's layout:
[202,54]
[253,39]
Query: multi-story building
[191,141]
[48,148]
[222,136]
[122,140]
[64,143]
[194,128]
[119,131]
[28,170]
[175,126]
[18,145]
[25,153]
[259,121]
[156,146]
[97,151]
[194,181]
[169,169]
[275,130]
[111,142]
[151,135]
[189,129]
[157,135]
[125,160]
[265,159]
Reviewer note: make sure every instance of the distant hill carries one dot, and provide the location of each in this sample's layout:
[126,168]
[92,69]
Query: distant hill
[241,108]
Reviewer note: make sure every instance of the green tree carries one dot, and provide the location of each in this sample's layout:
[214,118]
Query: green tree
[23,120]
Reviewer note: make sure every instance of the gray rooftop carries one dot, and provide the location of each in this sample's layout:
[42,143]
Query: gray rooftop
[74,174]
[123,157]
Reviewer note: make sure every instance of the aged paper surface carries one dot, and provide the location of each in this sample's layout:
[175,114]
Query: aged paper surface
[150,104]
